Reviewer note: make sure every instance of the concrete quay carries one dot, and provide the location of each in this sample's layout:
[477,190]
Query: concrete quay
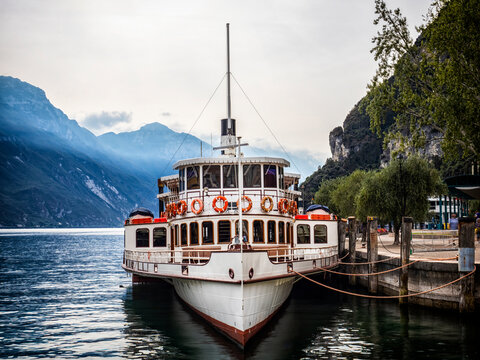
[432,269]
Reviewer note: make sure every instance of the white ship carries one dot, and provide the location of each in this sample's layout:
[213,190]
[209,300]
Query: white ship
[235,283]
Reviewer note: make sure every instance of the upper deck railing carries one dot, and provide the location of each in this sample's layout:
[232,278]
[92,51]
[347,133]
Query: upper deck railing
[200,256]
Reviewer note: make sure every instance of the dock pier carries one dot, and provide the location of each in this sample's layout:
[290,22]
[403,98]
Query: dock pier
[430,267]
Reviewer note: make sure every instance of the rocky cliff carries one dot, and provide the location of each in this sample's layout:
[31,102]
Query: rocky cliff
[354,146]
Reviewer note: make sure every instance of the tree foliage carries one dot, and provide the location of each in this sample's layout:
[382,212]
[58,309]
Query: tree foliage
[400,189]
[344,196]
[324,194]
[432,85]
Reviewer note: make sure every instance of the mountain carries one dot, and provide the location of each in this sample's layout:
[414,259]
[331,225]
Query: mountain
[152,148]
[53,172]
[353,146]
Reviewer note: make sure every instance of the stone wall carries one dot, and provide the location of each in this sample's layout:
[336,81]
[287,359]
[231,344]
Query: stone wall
[421,276]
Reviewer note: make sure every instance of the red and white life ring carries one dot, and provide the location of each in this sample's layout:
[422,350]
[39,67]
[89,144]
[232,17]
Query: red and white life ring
[283,206]
[182,207]
[193,207]
[293,209]
[249,206]
[270,202]
[217,208]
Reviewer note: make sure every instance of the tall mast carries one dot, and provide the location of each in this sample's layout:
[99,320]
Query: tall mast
[229,101]
[228,132]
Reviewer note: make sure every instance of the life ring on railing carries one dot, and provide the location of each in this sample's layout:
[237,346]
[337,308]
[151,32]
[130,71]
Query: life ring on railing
[182,207]
[293,209]
[167,210]
[193,207]
[225,204]
[283,206]
[249,206]
[270,201]
[173,209]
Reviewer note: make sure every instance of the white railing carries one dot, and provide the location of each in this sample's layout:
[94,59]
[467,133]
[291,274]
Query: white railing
[169,256]
[202,256]
[279,255]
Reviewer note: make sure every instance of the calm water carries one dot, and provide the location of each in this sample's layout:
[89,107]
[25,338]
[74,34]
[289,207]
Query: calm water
[64,295]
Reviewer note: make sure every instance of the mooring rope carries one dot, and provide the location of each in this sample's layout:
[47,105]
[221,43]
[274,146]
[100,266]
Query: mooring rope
[366,263]
[391,296]
[394,257]
[370,274]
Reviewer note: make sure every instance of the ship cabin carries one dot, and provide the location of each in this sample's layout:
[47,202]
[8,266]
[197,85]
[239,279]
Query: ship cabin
[199,213]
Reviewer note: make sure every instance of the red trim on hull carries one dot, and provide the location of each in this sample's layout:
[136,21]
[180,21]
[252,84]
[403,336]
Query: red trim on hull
[239,336]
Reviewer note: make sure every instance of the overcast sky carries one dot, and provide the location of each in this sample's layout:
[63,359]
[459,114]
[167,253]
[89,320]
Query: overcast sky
[117,65]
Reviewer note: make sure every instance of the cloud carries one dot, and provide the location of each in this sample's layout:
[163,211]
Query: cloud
[166,113]
[106,120]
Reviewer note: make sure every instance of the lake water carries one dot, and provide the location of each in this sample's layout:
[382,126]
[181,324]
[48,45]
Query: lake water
[63,294]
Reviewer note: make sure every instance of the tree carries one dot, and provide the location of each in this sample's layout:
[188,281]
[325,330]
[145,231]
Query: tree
[324,193]
[339,194]
[400,189]
[433,85]
[343,196]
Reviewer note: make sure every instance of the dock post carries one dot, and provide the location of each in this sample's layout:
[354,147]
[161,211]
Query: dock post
[352,242]
[372,253]
[341,237]
[466,263]
[405,257]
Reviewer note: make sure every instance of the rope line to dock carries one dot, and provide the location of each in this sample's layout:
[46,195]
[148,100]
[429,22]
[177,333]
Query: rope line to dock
[370,274]
[390,296]
[390,258]
[366,263]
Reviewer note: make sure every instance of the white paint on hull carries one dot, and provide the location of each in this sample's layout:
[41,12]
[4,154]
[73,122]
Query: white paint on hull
[223,301]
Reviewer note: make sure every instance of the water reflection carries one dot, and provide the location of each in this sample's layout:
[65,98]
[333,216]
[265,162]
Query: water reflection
[66,296]
[314,324]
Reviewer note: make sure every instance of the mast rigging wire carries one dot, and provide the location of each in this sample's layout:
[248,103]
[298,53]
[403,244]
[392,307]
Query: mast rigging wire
[198,118]
[260,116]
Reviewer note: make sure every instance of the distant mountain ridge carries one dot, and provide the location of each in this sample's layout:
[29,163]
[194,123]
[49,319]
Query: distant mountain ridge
[55,173]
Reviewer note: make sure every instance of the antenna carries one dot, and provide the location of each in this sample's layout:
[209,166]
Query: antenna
[229,101]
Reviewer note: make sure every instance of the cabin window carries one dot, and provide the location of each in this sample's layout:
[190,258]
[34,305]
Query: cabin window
[177,236]
[320,234]
[281,179]
[224,231]
[269,176]
[142,237]
[303,234]
[207,232]
[252,176]
[258,231]
[181,179]
[193,177]
[193,233]
[271,233]
[160,237]
[229,176]
[244,228]
[183,234]
[289,233]
[211,176]
[281,232]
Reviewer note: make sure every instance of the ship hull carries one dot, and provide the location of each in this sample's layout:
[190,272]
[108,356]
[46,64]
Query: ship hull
[235,310]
